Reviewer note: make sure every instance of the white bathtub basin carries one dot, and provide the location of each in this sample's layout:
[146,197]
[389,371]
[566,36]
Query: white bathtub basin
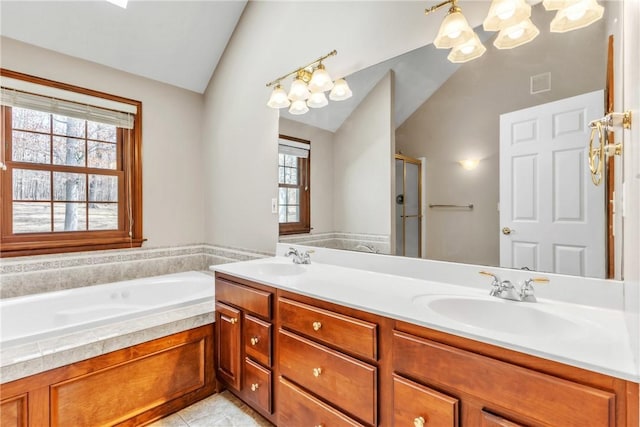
[499,315]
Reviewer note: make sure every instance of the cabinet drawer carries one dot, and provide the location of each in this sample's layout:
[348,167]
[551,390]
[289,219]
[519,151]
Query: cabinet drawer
[257,339]
[491,420]
[257,384]
[415,404]
[538,397]
[253,300]
[342,380]
[347,333]
[298,408]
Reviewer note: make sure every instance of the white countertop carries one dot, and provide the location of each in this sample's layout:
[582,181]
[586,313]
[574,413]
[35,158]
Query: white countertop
[587,336]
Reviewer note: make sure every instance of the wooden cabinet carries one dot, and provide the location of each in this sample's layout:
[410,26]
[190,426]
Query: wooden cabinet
[500,393]
[316,348]
[228,356]
[302,361]
[420,406]
[299,408]
[244,357]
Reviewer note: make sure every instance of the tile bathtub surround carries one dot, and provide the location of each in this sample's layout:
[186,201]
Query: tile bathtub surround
[45,273]
[349,241]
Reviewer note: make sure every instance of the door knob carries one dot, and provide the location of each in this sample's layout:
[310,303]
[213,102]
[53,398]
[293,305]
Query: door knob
[506,231]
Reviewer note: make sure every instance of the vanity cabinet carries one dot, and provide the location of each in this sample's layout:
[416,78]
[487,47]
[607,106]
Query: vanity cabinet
[327,361]
[244,333]
[497,387]
[303,361]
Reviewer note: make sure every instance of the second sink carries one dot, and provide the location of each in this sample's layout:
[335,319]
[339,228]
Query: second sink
[498,315]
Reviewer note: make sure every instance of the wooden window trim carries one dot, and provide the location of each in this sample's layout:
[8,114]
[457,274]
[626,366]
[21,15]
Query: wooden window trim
[304,226]
[12,245]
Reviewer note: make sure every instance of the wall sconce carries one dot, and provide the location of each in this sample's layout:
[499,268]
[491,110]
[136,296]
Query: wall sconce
[512,18]
[600,130]
[308,88]
[469,164]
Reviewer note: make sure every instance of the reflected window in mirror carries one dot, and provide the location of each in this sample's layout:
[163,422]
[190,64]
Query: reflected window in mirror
[294,161]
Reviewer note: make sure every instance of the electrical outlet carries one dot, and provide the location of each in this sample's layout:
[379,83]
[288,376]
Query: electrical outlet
[274,205]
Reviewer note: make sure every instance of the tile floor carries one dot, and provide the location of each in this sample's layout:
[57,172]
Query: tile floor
[220,410]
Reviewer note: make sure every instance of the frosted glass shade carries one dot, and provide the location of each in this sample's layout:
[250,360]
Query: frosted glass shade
[516,35]
[467,51]
[298,91]
[578,15]
[320,80]
[454,31]
[298,107]
[278,98]
[506,13]
[317,100]
[340,91]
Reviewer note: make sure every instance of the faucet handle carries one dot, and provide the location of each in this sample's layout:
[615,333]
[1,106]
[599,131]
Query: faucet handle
[486,273]
[526,291]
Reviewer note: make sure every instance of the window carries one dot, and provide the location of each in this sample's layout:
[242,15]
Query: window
[71,178]
[294,185]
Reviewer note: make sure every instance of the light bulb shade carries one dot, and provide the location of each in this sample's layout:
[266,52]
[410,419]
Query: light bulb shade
[516,35]
[578,15]
[298,91]
[467,51]
[469,164]
[506,13]
[340,91]
[320,80]
[558,4]
[317,100]
[298,107]
[278,98]
[454,30]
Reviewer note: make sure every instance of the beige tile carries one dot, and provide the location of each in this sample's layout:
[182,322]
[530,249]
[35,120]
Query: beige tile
[174,420]
[222,410]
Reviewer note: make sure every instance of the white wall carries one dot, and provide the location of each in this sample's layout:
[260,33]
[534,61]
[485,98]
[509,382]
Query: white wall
[321,172]
[173,211]
[363,152]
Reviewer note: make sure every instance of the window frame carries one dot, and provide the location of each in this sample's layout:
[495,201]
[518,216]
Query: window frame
[129,233]
[304,165]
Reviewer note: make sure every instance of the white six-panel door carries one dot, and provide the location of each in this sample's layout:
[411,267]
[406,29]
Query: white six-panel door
[552,217]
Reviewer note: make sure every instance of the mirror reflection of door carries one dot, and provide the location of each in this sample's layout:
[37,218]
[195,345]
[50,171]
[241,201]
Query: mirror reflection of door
[408,206]
[550,213]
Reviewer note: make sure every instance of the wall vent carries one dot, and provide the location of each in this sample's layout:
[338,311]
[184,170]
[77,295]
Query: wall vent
[540,83]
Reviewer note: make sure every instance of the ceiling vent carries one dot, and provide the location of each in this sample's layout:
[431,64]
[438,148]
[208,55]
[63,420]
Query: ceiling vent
[541,83]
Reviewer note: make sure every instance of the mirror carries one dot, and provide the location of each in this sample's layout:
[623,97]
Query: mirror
[421,107]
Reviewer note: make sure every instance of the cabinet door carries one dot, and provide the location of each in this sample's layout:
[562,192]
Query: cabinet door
[228,341]
[420,406]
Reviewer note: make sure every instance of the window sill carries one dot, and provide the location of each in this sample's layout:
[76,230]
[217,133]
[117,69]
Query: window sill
[16,249]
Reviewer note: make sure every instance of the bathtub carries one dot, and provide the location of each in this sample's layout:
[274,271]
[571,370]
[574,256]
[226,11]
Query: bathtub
[32,318]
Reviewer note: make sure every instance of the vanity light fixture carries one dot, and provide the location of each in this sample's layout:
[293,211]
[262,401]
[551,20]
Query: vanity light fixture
[573,14]
[308,88]
[456,34]
[516,35]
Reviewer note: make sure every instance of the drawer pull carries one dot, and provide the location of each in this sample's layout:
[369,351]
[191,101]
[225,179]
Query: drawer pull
[255,386]
[317,326]
[233,320]
[317,372]
[254,340]
[418,422]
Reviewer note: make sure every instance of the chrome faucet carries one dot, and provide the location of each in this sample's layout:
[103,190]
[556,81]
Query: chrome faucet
[299,257]
[506,290]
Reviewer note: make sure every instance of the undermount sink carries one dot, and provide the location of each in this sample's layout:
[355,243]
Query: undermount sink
[494,314]
[278,269]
